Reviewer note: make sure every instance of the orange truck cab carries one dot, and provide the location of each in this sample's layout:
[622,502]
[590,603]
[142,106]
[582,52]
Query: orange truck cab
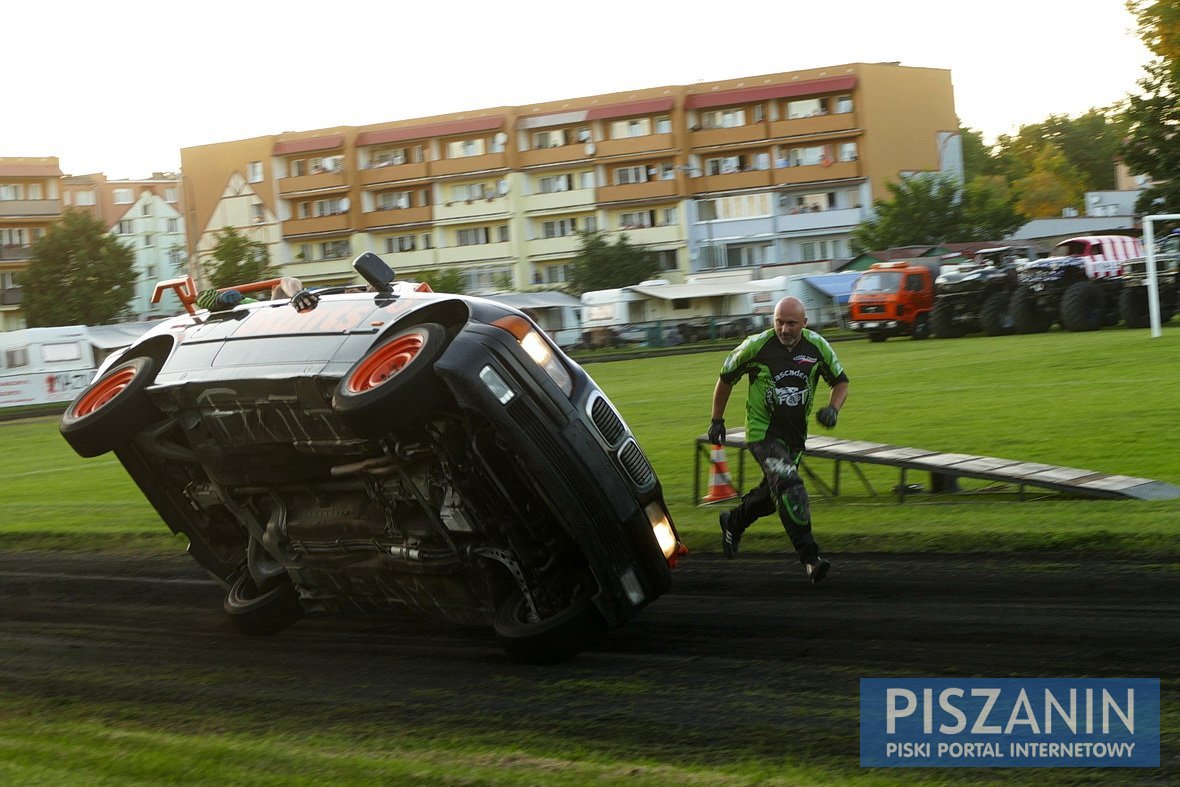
[894,299]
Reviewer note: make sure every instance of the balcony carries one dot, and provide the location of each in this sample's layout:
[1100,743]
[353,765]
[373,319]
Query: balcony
[575,151]
[559,200]
[737,135]
[455,166]
[30,207]
[16,253]
[418,259]
[476,253]
[546,247]
[336,269]
[844,218]
[649,236]
[10,296]
[632,145]
[395,217]
[752,179]
[322,181]
[487,207]
[629,192]
[816,172]
[819,124]
[392,173]
[319,224]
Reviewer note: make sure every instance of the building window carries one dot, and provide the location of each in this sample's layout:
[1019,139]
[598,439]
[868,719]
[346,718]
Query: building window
[663,125]
[502,232]
[298,168]
[84,198]
[759,113]
[11,191]
[553,183]
[746,255]
[472,236]
[257,214]
[725,165]
[587,179]
[723,118]
[303,210]
[549,139]
[846,151]
[329,207]
[123,197]
[814,250]
[625,175]
[809,156]
[638,127]
[254,171]
[466,192]
[590,223]
[126,227]
[390,157]
[326,164]
[34,191]
[170,195]
[148,241]
[147,209]
[399,244]
[427,240]
[582,133]
[334,249]
[666,259]
[393,200]
[635,220]
[706,210]
[463,148]
[843,104]
[806,108]
[559,228]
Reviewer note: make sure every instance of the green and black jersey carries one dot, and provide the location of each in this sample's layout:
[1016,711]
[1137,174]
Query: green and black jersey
[782,383]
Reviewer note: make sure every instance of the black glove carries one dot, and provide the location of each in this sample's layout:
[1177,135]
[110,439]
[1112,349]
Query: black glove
[304,300]
[717,431]
[827,416]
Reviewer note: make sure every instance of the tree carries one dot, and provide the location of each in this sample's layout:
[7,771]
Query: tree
[78,275]
[1151,146]
[977,157]
[1052,185]
[239,260]
[447,280]
[601,265]
[989,209]
[1089,144]
[923,210]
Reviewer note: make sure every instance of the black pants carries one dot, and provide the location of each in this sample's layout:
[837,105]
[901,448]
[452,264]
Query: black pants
[781,490]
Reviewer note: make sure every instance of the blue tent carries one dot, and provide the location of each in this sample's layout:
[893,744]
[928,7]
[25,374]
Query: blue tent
[837,286]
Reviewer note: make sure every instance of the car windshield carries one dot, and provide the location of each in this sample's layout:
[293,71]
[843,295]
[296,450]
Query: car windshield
[878,281]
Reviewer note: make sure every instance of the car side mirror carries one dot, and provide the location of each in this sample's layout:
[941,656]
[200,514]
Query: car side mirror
[374,271]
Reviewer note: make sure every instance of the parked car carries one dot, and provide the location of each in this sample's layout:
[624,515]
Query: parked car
[391,449]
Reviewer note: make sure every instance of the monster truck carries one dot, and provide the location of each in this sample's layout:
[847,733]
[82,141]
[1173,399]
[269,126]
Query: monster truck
[974,296]
[1133,305]
[1077,285]
[387,450]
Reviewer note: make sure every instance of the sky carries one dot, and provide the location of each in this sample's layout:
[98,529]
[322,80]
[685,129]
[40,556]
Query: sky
[121,86]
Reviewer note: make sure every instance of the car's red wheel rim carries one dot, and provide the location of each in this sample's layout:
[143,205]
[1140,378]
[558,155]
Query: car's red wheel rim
[385,362]
[105,390]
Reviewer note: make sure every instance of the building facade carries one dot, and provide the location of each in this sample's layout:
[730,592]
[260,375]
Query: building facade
[30,202]
[145,215]
[762,176]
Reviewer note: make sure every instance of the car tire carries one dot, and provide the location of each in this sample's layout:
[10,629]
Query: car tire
[942,322]
[113,409]
[262,614]
[394,385]
[878,337]
[1133,308]
[548,641]
[921,329]
[995,315]
[1083,307]
[1027,316]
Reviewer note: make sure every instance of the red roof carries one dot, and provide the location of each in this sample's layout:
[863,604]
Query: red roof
[308,145]
[449,128]
[30,170]
[749,95]
[630,109]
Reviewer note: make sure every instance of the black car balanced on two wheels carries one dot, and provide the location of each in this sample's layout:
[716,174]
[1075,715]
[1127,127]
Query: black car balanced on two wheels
[384,450]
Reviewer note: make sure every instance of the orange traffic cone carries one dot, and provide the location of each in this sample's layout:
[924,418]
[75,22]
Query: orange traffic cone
[720,487]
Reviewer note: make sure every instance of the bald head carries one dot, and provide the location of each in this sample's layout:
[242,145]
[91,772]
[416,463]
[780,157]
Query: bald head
[790,318]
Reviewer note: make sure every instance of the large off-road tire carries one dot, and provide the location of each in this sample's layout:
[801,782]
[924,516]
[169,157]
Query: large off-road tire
[550,640]
[1027,316]
[1133,308]
[942,322]
[113,409]
[878,337]
[921,329]
[996,316]
[261,614]
[394,385]
[1083,307]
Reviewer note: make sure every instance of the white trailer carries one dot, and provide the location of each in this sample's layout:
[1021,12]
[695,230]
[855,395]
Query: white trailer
[43,365]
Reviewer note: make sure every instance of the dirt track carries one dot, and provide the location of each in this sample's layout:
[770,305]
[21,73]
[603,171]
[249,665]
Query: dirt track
[743,659]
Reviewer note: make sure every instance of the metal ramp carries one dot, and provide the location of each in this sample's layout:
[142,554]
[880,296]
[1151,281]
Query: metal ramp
[945,469]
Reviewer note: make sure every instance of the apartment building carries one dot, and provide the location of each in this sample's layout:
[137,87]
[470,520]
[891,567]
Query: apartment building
[30,201]
[145,215]
[754,177]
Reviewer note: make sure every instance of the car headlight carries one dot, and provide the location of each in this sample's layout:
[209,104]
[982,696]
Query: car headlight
[661,526]
[538,348]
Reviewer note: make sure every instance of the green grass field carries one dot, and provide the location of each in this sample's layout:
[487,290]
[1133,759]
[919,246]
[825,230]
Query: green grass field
[1104,401]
